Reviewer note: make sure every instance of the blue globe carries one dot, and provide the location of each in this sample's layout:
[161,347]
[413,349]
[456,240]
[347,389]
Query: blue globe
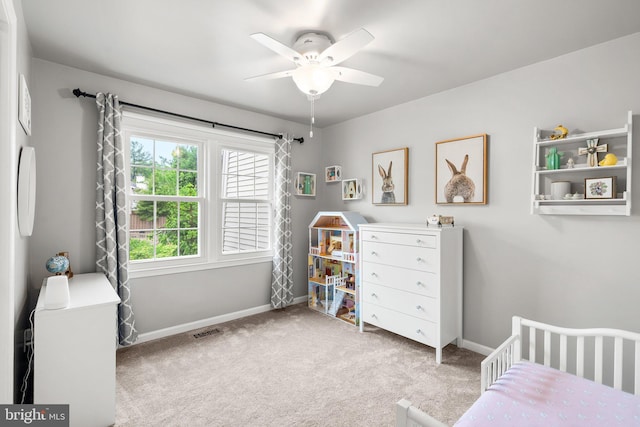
[57,264]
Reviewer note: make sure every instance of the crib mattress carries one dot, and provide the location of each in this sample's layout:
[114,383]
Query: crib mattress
[529,394]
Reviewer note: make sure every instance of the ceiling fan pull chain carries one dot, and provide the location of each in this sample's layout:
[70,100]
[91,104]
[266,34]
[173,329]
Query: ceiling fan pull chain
[313,118]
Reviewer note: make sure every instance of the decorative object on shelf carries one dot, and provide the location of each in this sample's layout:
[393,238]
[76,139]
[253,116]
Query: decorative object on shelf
[570,163]
[591,150]
[440,220]
[305,184]
[332,173]
[352,189]
[24,105]
[610,159]
[600,188]
[563,131]
[390,170]
[553,158]
[57,265]
[559,189]
[467,185]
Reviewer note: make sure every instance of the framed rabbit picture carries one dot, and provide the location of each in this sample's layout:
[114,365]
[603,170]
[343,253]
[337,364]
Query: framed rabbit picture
[461,170]
[390,177]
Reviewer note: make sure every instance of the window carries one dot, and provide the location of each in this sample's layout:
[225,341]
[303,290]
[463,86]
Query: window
[199,198]
[245,201]
[165,199]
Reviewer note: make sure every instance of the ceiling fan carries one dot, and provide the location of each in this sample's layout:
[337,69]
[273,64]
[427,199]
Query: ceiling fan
[316,58]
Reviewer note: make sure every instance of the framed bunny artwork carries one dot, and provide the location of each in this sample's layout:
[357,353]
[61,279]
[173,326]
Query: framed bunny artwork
[390,177]
[461,170]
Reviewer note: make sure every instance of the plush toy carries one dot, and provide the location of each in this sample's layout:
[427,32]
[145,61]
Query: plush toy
[609,160]
[563,132]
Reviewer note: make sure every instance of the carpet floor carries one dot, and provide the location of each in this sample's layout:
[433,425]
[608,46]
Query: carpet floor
[291,367]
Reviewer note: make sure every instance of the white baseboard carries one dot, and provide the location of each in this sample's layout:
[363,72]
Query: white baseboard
[186,327]
[478,348]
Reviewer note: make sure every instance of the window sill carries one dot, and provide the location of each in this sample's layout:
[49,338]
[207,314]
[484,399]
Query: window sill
[144,271]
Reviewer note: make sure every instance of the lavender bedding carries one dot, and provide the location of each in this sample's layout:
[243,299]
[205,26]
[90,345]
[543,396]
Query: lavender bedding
[530,394]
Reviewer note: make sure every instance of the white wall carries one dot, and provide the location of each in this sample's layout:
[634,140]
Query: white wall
[21,244]
[573,271]
[65,134]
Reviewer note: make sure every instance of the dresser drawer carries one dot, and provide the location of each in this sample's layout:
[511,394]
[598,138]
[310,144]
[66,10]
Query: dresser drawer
[411,327]
[416,281]
[413,257]
[419,240]
[405,302]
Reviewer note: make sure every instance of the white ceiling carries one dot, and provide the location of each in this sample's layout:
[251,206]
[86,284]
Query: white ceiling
[202,48]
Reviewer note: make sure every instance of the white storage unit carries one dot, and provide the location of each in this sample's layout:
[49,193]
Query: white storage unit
[75,351]
[411,281]
[618,141]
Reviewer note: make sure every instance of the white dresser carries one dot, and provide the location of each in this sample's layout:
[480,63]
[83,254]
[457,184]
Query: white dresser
[411,281]
[75,351]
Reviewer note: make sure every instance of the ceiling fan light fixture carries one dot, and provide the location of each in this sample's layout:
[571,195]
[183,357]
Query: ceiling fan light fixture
[313,80]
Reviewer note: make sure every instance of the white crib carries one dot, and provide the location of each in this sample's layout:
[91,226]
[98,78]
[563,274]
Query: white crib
[595,354]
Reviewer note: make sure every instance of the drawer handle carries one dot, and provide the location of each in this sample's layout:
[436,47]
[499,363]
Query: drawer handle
[373,294]
[374,316]
[419,259]
[374,253]
[419,331]
[420,242]
[418,307]
[374,274]
[373,236]
[419,283]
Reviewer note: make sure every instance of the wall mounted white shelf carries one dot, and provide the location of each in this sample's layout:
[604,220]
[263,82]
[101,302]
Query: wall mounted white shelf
[618,141]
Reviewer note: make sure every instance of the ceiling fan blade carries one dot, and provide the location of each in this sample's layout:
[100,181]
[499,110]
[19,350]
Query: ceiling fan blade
[345,48]
[277,75]
[349,75]
[279,48]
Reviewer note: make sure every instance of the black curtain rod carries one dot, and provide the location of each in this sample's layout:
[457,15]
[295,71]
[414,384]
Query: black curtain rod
[78,93]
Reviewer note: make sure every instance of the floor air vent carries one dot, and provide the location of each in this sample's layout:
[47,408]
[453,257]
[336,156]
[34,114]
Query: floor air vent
[206,333]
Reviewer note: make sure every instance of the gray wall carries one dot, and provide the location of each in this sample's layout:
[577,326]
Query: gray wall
[570,270]
[65,138]
[574,271]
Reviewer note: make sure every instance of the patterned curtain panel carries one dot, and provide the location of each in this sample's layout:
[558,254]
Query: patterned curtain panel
[111,213]
[282,273]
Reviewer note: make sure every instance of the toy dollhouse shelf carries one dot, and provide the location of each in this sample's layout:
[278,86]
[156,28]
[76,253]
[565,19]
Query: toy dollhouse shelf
[333,268]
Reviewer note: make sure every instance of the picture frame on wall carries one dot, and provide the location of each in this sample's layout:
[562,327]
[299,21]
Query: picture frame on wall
[332,174]
[24,105]
[461,170]
[390,177]
[600,188]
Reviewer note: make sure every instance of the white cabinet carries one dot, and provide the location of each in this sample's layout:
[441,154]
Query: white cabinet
[411,281]
[581,175]
[75,351]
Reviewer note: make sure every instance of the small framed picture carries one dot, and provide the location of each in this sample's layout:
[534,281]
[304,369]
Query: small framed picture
[461,170]
[24,105]
[600,188]
[352,189]
[390,177]
[332,174]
